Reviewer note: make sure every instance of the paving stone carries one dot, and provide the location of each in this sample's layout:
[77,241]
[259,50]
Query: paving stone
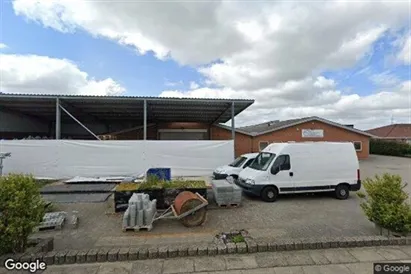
[385,241]
[231,248]
[368,240]
[93,255]
[360,268]
[393,240]
[172,251]
[326,269]
[163,252]
[262,246]
[118,268]
[71,256]
[325,242]
[212,249]
[202,250]
[209,264]
[280,245]
[376,241]
[366,254]
[333,243]
[179,265]
[271,246]
[112,254]
[241,247]
[298,244]
[251,245]
[240,262]
[271,259]
[153,253]
[338,256]
[147,267]
[392,253]
[285,270]
[402,241]
[81,257]
[49,257]
[408,240]
[221,249]
[60,257]
[142,253]
[342,241]
[192,251]
[182,251]
[406,249]
[123,254]
[102,254]
[318,258]
[350,242]
[289,245]
[133,254]
[298,258]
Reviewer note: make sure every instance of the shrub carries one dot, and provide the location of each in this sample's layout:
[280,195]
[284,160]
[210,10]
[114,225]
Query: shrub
[21,210]
[391,148]
[385,203]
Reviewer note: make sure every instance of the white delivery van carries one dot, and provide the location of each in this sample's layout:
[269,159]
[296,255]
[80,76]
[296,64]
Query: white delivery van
[235,167]
[283,168]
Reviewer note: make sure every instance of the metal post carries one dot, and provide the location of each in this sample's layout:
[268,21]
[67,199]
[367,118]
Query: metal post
[74,118]
[58,120]
[233,125]
[145,120]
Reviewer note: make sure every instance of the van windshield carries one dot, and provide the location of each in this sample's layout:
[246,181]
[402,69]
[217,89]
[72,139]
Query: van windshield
[238,162]
[263,161]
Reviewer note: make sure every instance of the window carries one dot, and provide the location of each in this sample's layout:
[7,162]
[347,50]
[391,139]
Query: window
[262,145]
[263,161]
[238,162]
[248,163]
[281,163]
[358,145]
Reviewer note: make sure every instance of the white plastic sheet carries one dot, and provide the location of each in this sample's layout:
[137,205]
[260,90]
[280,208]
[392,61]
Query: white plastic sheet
[69,158]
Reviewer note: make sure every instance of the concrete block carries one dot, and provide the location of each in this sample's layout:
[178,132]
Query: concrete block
[408,240]
[241,247]
[202,250]
[393,240]
[298,245]
[231,248]
[368,240]
[221,249]
[101,254]
[262,246]
[152,252]
[272,246]
[142,253]
[280,245]
[81,256]
[359,241]
[133,254]
[71,257]
[60,257]
[91,256]
[402,241]
[112,255]
[172,251]
[49,257]
[163,252]
[289,245]
[343,241]
[212,250]
[192,251]
[182,251]
[123,254]
[251,245]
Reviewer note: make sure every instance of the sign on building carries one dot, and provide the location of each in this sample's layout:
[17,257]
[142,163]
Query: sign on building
[312,133]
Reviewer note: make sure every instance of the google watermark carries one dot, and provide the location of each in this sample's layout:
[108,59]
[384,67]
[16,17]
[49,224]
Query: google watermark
[32,267]
[401,268]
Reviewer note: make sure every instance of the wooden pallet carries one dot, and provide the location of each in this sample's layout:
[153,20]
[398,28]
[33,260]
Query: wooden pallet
[228,205]
[138,228]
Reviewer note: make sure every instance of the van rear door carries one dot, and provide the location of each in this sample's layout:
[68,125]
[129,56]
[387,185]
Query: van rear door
[281,174]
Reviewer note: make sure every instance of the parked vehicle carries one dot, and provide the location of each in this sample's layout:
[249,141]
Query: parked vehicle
[235,167]
[283,168]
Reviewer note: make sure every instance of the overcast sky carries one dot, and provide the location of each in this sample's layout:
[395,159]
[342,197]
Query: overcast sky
[341,60]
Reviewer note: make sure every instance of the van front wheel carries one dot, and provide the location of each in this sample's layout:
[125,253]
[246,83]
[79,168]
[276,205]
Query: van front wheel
[342,192]
[269,194]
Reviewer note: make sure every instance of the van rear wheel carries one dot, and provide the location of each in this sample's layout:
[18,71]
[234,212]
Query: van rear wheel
[269,194]
[342,192]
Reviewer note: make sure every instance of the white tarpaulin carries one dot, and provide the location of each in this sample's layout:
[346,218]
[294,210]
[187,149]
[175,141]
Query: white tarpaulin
[68,158]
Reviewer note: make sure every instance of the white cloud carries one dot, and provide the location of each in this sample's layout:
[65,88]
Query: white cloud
[273,52]
[173,84]
[405,54]
[194,85]
[3,46]
[44,75]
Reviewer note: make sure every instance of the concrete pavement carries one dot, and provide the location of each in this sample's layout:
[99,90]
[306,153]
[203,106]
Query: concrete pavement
[341,260]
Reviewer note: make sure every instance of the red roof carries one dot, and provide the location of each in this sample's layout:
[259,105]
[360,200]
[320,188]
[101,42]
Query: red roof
[392,131]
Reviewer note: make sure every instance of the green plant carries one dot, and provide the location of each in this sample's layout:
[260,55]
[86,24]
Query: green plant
[21,210]
[385,203]
[238,239]
[391,148]
[185,184]
[151,182]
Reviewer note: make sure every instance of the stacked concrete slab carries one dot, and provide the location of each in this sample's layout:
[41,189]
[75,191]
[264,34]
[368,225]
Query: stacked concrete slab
[140,212]
[225,193]
[52,220]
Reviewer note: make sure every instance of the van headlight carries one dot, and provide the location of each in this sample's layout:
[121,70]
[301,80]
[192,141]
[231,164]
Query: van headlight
[250,182]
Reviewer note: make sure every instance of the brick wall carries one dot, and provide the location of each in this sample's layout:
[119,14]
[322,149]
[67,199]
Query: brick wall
[243,143]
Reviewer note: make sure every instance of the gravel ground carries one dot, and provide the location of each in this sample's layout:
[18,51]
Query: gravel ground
[293,216]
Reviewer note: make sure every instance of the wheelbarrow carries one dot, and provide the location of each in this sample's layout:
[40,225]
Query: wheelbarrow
[189,208]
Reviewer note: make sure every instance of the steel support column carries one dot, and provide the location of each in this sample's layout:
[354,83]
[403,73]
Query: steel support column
[145,120]
[58,120]
[233,125]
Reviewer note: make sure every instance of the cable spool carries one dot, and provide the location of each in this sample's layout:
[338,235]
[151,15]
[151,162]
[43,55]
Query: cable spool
[186,201]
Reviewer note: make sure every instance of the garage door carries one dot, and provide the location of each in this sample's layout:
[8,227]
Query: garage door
[183,135]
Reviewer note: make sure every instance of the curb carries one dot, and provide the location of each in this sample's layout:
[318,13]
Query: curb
[249,246]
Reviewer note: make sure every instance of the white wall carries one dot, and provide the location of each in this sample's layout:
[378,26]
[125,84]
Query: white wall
[21,123]
[66,159]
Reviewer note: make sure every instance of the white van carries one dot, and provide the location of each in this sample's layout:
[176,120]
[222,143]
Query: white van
[235,167]
[283,168]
